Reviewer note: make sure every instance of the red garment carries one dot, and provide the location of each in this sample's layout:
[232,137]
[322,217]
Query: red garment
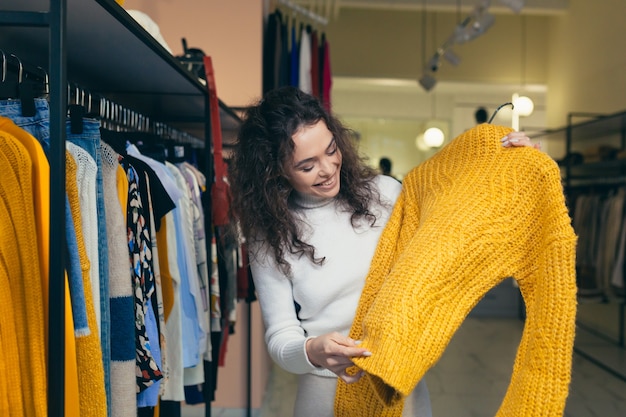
[326,75]
[315,65]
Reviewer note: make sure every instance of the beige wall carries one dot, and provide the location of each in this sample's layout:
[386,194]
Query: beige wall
[578,54]
[586,60]
[388,44]
[230,31]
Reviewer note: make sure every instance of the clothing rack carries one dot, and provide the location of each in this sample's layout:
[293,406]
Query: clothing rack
[118,117]
[58,36]
[304,12]
[21,79]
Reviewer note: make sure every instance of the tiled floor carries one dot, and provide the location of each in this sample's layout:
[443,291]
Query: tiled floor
[471,377]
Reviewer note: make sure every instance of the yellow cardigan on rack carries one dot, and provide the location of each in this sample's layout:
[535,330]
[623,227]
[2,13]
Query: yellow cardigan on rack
[470,216]
[41,201]
[92,392]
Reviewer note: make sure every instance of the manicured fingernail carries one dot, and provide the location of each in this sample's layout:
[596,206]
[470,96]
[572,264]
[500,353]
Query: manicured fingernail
[506,143]
[514,140]
[504,139]
[367,353]
[358,342]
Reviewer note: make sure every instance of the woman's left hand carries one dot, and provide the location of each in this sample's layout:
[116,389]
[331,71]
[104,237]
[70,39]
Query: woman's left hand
[518,139]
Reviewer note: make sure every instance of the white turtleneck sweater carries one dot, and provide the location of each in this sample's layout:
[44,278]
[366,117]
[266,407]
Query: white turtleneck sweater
[327,294]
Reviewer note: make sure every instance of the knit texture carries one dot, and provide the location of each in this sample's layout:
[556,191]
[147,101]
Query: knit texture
[88,349]
[41,199]
[22,353]
[86,171]
[123,397]
[470,216]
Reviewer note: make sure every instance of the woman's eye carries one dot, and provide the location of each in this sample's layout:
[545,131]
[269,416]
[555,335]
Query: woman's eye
[333,150]
[307,169]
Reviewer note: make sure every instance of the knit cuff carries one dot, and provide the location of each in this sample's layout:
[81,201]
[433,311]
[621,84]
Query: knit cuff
[293,358]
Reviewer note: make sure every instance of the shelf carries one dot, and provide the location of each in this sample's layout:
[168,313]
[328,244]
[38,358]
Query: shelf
[600,325]
[110,54]
[597,127]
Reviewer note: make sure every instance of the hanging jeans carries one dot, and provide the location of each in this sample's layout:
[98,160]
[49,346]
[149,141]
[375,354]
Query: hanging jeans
[89,140]
[37,125]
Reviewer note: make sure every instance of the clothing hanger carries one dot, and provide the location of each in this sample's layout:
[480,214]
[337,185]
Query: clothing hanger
[497,110]
[21,83]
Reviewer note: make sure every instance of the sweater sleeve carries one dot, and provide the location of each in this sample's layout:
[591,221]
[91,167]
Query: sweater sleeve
[284,336]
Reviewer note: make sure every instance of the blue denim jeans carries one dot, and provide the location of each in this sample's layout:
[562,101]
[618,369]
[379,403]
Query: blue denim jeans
[37,125]
[89,140]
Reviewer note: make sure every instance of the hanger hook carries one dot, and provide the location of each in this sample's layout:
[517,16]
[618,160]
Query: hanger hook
[20,69]
[46,80]
[498,109]
[4,66]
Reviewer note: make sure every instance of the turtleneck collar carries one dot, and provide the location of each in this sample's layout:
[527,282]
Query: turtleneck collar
[309,201]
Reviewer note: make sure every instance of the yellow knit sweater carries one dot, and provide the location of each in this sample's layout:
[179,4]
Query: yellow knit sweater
[88,349]
[467,218]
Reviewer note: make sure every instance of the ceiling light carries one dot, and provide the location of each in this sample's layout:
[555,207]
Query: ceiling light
[420,144]
[433,137]
[473,26]
[451,57]
[523,105]
[427,82]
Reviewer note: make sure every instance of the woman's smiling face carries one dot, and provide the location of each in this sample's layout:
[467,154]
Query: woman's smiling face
[316,164]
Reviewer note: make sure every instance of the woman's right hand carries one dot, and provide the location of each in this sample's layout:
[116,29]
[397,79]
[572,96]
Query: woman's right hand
[334,351]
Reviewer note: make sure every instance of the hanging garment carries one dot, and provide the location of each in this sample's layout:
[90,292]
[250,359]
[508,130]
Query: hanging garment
[326,74]
[220,189]
[472,215]
[85,132]
[294,57]
[150,396]
[166,237]
[37,125]
[194,329]
[22,356]
[304,77]
[315,64]
[272,48]
[147,369]
[86,169]
[123,396]
[92,391]
[41,196]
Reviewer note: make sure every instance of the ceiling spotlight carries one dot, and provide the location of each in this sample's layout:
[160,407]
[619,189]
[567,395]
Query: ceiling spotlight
[433,63]
[434,137]
[473,26]
[427,82]
[451,57]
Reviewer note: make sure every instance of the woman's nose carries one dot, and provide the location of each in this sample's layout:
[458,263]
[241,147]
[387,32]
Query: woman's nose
[326,166]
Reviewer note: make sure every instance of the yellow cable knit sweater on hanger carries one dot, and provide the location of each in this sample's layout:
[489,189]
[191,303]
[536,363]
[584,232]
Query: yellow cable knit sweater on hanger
[470,216]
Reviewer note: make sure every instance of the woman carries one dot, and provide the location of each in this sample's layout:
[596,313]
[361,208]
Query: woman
[311,211]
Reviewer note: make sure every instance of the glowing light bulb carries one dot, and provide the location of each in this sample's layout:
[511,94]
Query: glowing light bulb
[433,137]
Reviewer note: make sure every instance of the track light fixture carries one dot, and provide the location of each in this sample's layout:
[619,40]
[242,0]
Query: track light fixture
[470,28]
[427,81]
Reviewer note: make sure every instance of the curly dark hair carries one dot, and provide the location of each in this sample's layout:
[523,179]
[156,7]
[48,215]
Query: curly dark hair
[257,172]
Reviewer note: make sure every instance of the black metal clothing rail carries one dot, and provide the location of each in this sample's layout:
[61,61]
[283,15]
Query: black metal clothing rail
[55,20]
